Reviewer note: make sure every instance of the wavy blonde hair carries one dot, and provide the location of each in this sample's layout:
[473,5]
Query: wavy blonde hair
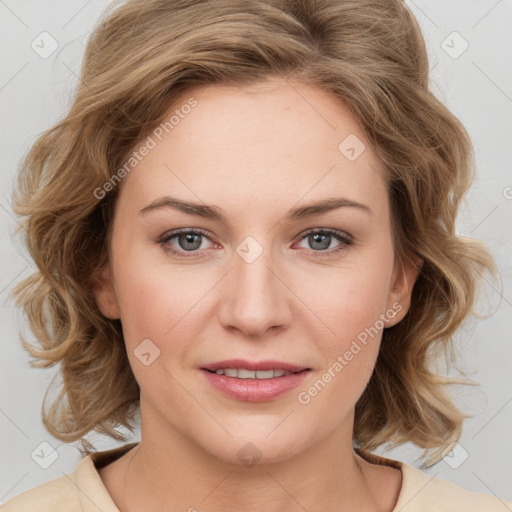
[143,55]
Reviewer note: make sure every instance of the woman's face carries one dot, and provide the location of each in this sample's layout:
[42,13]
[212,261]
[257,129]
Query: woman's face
[286,256]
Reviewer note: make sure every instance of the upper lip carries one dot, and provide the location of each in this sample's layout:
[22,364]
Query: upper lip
[254,365]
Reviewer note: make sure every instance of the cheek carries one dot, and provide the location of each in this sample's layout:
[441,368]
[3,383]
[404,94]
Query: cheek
[349,303]
[164,304]
[156,302]
[348,300]
[351,306]
[159,313]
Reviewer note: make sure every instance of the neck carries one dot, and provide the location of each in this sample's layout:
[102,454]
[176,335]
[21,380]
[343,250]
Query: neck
[167,471]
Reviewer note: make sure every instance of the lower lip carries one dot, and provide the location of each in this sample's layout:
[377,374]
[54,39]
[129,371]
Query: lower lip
[255,390]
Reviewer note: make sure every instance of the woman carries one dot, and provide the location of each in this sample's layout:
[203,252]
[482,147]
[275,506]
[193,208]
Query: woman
[244,230]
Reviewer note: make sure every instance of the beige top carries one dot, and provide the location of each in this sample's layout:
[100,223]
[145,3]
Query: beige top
[83,490]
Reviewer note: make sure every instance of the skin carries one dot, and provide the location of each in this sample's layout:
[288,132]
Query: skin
[256,152]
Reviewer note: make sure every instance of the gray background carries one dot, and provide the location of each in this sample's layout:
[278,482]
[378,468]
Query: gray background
[475,84]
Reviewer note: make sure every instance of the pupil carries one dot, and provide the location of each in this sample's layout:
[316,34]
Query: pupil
[187,242]
[323,239]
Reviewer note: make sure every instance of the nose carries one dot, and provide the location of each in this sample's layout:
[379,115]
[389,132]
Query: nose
[256,296]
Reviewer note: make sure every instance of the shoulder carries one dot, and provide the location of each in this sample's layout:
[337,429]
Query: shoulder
[80,491]
[421,492]
[57,495]
[427,493]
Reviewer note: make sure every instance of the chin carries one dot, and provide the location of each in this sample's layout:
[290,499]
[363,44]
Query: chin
[253,446]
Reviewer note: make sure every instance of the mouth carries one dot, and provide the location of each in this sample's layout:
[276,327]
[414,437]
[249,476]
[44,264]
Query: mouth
[241,373]
[242,366]
[254,381]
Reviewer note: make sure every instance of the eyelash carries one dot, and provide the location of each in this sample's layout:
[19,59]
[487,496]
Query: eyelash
[346,239]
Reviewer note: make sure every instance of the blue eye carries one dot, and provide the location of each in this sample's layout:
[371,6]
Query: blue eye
[320,240]
[191,241]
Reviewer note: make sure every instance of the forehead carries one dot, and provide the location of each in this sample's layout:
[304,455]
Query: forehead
[273,141]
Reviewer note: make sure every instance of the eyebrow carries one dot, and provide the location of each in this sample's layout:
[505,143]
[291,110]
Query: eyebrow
[214,212]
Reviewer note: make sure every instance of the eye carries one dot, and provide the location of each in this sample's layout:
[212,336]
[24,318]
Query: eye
[192,241]
[320,240]
[185,240]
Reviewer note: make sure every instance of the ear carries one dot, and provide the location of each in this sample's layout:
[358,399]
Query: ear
[402,282]
[104,292]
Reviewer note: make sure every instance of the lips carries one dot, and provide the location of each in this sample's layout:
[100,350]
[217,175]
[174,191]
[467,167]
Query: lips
[242,373]
[242,364]
[254,381]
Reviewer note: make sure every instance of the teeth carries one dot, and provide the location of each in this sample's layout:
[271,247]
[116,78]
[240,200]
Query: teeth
[242,373]
[248,374]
